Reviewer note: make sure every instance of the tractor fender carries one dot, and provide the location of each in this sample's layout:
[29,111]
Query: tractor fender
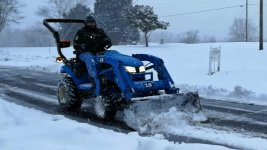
[66,70]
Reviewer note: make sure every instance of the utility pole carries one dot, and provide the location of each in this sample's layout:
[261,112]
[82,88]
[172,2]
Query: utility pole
[261,25]
[246,20]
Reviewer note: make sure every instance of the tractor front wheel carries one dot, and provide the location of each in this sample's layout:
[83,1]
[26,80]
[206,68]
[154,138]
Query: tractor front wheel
[106,105]
[105,109]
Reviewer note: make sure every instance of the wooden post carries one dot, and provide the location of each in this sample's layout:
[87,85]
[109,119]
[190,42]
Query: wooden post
[210,62]
[261,25]
[246,20]
[219,60]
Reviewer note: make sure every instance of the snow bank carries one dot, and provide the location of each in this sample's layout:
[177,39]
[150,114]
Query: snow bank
[31,58]
[176,123]
[242,76]
[30,129]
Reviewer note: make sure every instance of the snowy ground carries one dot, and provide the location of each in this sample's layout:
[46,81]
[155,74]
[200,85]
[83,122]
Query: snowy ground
[242,77]
[30,129]
[176,123]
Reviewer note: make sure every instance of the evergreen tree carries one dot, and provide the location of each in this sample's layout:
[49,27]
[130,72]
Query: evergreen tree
[79,11]
[112,15]
[144,18]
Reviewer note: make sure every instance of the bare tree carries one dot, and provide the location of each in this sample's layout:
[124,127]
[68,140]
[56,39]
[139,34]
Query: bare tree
[190,37]
[238,30]
[59,8]
[209,39]
[33,36]
[55,8]
[9,12]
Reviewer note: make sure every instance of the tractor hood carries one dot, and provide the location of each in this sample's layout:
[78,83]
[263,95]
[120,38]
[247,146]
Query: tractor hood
[126,60]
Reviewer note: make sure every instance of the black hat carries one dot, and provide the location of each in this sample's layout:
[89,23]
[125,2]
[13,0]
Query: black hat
[89,19]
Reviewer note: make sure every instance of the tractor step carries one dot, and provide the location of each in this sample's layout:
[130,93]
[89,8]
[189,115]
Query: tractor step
[86,86]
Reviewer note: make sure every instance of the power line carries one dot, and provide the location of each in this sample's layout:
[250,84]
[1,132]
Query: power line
[202,11]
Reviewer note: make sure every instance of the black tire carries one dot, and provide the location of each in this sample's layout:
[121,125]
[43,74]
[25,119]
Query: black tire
[106,106]
[105,109]
[68,95]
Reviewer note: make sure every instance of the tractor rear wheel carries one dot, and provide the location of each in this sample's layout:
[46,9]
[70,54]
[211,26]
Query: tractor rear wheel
[68,95]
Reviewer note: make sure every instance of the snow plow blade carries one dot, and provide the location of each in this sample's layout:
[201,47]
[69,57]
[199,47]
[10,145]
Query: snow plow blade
[188,104]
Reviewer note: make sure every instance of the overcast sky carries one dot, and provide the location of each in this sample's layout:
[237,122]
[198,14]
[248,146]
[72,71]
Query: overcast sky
[215,23]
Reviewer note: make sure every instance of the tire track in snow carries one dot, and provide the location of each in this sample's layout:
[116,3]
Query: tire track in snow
[82,115]
[45,83]
[85,116]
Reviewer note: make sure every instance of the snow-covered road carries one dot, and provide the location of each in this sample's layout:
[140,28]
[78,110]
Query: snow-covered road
[30,129]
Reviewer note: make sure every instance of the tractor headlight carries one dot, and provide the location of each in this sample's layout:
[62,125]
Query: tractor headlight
[130,69]
[142,69]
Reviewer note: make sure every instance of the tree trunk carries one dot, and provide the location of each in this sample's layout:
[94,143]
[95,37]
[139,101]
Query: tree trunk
[146,39]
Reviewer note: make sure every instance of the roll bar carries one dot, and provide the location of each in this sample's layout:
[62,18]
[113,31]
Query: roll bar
[60,44]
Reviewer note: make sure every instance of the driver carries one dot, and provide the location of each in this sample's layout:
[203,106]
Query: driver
[90,38]
[89,41]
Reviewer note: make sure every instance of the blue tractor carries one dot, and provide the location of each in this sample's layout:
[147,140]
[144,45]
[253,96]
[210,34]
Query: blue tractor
[119,80]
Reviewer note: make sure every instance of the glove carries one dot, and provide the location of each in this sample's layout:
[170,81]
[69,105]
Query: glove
[108,46]
[106,43]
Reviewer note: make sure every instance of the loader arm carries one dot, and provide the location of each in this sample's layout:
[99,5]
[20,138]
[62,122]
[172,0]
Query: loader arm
[158,65]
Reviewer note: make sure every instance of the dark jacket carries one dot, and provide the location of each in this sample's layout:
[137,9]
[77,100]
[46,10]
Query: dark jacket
[91,40]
